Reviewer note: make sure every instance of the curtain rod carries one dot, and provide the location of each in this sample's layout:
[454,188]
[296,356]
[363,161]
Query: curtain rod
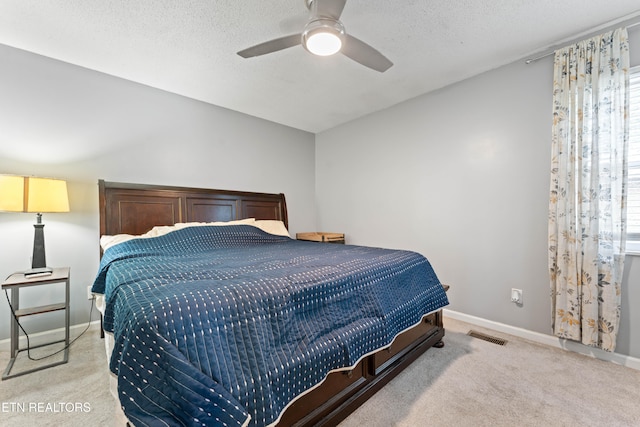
[628,22]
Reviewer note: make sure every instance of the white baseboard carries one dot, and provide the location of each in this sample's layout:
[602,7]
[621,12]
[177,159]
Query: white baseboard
[620,359]
[47,336]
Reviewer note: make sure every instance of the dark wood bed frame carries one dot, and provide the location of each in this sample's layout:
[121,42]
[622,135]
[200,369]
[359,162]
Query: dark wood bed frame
[136,208]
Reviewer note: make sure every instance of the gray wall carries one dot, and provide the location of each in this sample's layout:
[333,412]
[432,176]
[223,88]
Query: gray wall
[461,175]
[64,121]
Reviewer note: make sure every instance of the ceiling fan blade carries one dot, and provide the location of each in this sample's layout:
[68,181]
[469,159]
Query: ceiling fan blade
[328,8]
[364,54]
[271,46]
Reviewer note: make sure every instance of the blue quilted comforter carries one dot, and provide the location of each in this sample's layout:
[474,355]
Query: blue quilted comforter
[227,325]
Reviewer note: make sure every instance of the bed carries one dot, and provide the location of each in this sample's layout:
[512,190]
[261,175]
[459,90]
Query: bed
[235,323]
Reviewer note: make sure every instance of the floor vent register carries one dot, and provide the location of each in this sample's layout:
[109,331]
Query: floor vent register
[485,337]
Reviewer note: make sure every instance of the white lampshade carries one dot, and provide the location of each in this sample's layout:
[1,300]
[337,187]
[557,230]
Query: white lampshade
[46,195]
[30,194]
[11,193]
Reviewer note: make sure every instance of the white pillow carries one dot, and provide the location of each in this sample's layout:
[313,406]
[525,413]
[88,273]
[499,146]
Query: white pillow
[107,241]
[272,226]
[160,230]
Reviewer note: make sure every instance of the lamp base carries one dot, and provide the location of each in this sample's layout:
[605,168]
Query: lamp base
[37,272]
[39,259]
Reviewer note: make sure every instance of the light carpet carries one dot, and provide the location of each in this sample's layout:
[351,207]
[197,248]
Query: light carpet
[471,382]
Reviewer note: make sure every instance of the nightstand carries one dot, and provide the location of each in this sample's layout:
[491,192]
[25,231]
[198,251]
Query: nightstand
[321,237]
[14,283]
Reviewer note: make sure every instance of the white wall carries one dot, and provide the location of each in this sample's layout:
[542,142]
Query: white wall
[461,175]
[67,122]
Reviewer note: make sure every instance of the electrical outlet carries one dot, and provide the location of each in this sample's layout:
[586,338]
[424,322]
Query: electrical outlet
[516,296]
[89,294]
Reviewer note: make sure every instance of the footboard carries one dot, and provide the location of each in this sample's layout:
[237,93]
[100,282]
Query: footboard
[342,392]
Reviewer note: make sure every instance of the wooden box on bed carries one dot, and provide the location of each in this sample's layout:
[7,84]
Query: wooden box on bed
[136,208]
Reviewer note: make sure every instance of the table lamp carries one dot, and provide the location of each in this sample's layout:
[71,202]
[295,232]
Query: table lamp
[36,195]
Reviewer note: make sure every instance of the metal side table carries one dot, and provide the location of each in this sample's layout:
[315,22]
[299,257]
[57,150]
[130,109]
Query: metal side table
[14,283]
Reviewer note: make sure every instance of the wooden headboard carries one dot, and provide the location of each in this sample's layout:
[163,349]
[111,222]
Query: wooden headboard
[137,208]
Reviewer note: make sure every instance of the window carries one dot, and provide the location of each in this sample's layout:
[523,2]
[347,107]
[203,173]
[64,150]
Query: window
[633,194]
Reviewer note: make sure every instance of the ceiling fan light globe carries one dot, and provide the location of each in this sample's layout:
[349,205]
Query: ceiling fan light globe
[324,44]
[323,37]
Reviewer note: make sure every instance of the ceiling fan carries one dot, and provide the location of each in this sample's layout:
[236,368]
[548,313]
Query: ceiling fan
[325,35]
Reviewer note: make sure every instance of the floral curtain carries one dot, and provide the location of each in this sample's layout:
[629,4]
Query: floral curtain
[587,214]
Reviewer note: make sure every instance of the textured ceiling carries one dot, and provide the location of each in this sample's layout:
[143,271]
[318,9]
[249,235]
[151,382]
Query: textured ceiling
[189,47]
